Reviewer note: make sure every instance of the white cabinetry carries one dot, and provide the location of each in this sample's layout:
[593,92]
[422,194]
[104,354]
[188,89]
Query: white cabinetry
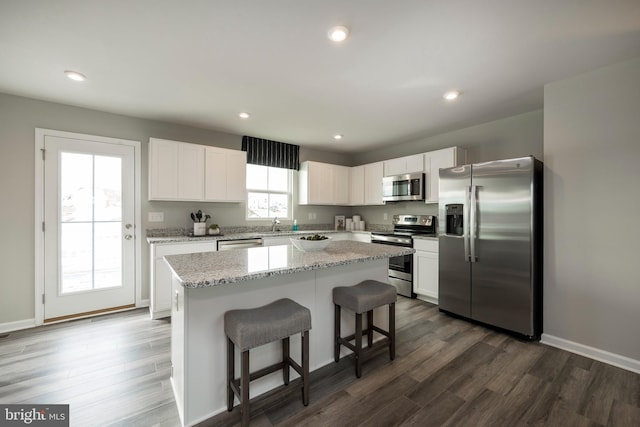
[356,186]
[176,170]
[225,175]
[402,165]
[425,269]
[160,274]
[373,183]
[183,171]
[436,160]
[323,184]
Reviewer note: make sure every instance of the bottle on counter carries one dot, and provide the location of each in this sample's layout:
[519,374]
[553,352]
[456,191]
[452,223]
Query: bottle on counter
[295,225]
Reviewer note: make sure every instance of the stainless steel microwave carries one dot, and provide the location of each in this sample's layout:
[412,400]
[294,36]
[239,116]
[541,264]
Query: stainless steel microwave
[403,187]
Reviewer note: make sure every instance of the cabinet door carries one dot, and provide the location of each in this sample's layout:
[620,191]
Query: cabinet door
[436,160]
[425,270]
[320,183]
[215,175]
[341,185]
[163,169]
[414,163]
[356,186]
[373,184]
[394,166]
[236,176]
[190,171]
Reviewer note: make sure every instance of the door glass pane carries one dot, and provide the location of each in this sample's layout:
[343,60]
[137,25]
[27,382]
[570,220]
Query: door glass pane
[76,257]
[90,222]
[108,255]
[76,187]
[108,188]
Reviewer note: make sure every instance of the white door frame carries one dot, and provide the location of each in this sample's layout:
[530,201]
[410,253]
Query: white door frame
[39,211]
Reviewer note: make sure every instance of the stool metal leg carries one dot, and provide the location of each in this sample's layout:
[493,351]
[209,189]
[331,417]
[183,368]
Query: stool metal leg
[392,331]
[358,344]
[305,368]
[230,373]
[246,415]
[336,333]
[370,328]
[285,360]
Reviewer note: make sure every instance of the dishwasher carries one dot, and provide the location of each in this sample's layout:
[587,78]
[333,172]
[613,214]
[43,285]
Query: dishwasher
[227,245]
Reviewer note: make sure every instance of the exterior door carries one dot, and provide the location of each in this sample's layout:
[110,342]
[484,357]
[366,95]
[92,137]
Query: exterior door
[89,231]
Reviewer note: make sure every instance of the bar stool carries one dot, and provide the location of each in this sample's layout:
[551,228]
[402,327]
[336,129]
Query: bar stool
[252,328]
[361,298]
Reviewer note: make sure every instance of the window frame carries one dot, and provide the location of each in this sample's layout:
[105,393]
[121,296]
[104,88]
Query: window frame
[288,193]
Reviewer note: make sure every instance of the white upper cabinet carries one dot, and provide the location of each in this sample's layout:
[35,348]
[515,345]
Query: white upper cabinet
[225,175]
[163,169]
[323,184]
[183,171]
[373,173]
[436,160]
[402,165]
[356,186]
[190,171]
[176,170]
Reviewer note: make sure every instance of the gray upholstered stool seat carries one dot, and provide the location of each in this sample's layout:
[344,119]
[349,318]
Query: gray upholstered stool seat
[251,328]
[363,298]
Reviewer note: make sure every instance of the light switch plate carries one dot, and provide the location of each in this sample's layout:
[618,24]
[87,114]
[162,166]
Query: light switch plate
[156,216]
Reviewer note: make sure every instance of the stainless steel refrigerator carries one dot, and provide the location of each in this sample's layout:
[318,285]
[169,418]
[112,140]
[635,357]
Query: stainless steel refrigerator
[490,233]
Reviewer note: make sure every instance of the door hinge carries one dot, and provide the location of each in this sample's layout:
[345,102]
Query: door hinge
[43,299]
[43,153]
[43,226]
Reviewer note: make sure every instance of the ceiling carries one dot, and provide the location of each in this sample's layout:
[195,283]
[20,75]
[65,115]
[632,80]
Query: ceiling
[201,62]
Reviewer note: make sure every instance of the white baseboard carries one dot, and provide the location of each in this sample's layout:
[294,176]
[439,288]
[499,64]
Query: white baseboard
[17,325]
[592,353]
[143,303]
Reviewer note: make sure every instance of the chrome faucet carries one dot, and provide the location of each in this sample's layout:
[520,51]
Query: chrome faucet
[275,222]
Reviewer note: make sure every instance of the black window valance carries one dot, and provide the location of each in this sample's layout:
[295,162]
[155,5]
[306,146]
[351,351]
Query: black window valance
[271,153]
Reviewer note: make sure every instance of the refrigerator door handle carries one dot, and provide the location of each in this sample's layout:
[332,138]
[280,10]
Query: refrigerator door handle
[465,224]
[473,221]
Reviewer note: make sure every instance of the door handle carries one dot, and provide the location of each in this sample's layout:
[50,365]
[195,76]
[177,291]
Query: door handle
[128,236]
[473,222]
[465,223]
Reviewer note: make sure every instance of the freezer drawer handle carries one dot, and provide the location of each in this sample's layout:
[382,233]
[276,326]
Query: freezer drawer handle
[473,222]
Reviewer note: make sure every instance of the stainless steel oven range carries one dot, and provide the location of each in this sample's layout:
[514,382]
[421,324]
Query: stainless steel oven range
[404,227]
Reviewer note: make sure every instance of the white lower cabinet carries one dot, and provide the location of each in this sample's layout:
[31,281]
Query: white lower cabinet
[425,270]
[160,274]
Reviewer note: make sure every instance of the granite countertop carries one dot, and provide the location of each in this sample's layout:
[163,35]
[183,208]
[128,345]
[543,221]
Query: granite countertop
[234,236]
[216,268]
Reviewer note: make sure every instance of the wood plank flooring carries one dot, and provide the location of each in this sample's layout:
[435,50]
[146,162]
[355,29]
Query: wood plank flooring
[114,371]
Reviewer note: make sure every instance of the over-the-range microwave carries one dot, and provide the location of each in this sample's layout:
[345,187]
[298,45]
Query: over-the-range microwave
[403,187]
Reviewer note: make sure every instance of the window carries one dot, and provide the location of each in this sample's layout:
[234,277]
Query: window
[268,192]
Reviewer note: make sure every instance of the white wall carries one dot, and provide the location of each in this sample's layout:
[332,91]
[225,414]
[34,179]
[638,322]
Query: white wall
[592,205]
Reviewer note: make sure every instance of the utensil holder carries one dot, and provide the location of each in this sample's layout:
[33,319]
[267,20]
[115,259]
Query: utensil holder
[199,228]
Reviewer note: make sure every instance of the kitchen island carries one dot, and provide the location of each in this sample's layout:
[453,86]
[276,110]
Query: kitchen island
[206,285]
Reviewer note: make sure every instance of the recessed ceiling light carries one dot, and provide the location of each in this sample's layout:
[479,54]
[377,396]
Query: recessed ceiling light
[338,34]
[451,95]
[76,76]
[337,137]
[244,115]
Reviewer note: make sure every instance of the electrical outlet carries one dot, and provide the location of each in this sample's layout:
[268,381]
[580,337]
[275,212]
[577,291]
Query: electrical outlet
[156,216]
[310,215]
[314,215]
[385,216]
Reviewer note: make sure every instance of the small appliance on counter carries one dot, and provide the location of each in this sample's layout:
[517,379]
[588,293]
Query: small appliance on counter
[404,228]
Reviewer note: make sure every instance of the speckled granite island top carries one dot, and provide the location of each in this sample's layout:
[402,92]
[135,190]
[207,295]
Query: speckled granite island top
[216,268]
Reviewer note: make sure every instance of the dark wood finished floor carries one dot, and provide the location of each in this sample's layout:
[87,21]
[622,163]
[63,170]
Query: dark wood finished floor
[114,370]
